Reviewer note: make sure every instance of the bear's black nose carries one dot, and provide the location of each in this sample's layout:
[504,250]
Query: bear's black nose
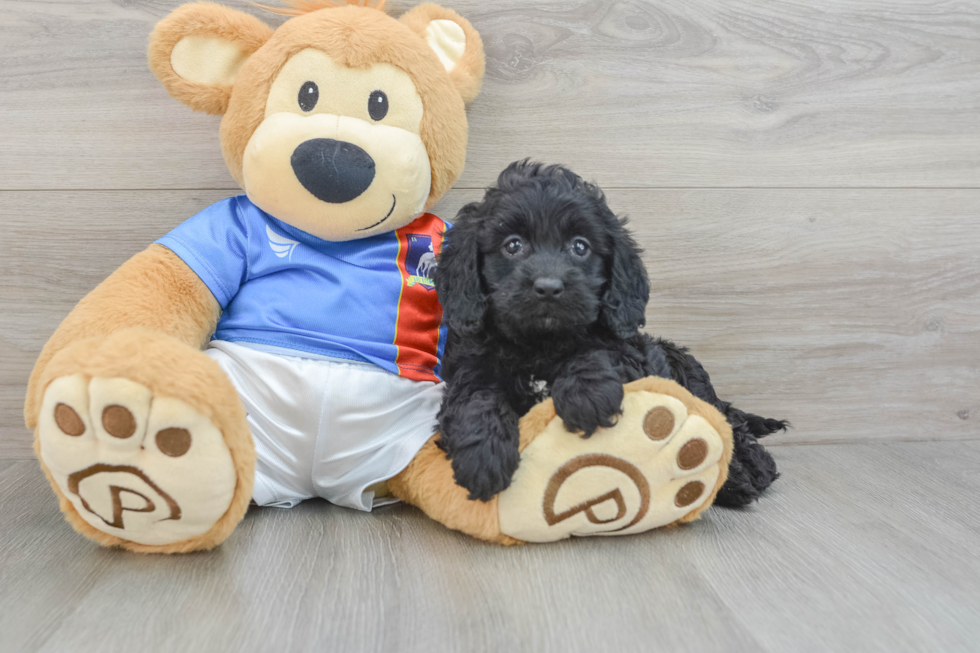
[334,171]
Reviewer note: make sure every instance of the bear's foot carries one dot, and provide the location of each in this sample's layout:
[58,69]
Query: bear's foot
[662,463]
[142,470]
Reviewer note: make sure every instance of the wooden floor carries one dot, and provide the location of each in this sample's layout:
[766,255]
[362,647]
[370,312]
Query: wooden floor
[862,547]
[805,179]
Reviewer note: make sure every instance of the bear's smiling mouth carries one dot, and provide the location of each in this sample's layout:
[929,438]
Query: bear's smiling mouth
[390,211]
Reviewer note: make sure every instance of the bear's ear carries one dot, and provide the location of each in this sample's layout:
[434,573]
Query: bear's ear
[197,50]
[454,41]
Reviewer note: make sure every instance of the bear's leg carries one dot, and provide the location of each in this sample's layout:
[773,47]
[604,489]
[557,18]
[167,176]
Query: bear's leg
[428,484]
[145,442]
[662,463]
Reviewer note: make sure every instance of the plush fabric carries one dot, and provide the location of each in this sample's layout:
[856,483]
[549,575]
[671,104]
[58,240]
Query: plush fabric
[124,380]
[202,19]
[252,263]
[639,474]
[168,367]
[154,290]
[147,322]
[428,482]
[467,74]
[137,336]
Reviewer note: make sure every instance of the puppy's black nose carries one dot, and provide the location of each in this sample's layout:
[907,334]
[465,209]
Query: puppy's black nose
[334,171]
[548,287]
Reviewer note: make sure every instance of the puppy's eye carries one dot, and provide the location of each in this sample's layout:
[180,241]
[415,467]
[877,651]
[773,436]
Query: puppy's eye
[513,246]
[308,96]
[378,105]
[580,247]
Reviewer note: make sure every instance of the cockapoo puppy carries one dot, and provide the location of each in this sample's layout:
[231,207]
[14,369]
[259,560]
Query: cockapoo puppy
[544,292]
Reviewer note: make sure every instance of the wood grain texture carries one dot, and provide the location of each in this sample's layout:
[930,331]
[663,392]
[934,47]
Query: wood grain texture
[692,93]
[864,547]
[855,314]
[849,308]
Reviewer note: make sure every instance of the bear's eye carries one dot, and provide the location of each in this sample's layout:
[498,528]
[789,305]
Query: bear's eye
[378,105]
[308,96]
[580,247]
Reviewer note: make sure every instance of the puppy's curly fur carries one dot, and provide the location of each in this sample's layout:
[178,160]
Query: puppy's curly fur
[544,293]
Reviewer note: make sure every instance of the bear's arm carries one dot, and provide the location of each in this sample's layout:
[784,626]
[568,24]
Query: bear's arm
[155,289]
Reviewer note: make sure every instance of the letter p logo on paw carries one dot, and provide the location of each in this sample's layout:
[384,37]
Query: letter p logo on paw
[597,510]
[143,468]
[653,468]
[122,496]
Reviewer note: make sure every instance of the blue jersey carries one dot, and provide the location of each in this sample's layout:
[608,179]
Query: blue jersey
[370,300]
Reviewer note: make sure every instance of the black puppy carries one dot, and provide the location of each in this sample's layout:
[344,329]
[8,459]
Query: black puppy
[544,291]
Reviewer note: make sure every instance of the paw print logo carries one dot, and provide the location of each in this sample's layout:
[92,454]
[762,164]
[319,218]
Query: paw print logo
[657,465]
[143,467]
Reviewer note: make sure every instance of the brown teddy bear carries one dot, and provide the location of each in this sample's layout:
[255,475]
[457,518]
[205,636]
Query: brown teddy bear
[286,343]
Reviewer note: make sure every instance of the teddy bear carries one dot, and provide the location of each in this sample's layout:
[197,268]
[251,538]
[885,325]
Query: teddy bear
[286,343]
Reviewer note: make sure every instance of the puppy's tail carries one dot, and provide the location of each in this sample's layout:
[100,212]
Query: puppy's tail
[758,426]
[686,370]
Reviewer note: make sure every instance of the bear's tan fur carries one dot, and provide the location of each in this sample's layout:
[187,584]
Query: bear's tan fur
[149,321]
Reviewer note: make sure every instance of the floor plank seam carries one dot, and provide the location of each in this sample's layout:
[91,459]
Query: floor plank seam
[458,187]
[770,445]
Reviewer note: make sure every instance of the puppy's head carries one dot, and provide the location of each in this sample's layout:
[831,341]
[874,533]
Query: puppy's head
[541,255]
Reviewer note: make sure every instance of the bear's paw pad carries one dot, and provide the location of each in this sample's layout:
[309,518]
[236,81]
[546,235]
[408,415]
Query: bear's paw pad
[143,468]
[656,466]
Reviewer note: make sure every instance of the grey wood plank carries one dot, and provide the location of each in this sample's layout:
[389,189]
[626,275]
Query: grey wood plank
[639,94]
[858,548]
[324,578]
[37,545]
[865,547]
[853,313]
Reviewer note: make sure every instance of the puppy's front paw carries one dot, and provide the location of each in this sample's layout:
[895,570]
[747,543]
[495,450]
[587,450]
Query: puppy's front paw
[587,406]
[481,436]
[485,469]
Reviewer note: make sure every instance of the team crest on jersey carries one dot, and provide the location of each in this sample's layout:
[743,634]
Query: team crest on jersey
[420,261]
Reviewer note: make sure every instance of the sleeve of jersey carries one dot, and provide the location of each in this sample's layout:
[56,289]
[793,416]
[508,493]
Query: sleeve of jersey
[214,244]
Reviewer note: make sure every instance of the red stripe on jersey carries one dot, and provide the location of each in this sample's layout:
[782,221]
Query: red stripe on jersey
[419,311]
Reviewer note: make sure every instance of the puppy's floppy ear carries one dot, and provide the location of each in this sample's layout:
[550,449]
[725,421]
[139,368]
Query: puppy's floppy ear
[457,277]
[458,46]
[625,300]
[197,51]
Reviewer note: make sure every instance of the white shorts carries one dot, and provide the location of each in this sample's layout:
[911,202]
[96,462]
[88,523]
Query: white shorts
[327,427]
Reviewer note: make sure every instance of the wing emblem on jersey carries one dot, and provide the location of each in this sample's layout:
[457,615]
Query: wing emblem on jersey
[281,246]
